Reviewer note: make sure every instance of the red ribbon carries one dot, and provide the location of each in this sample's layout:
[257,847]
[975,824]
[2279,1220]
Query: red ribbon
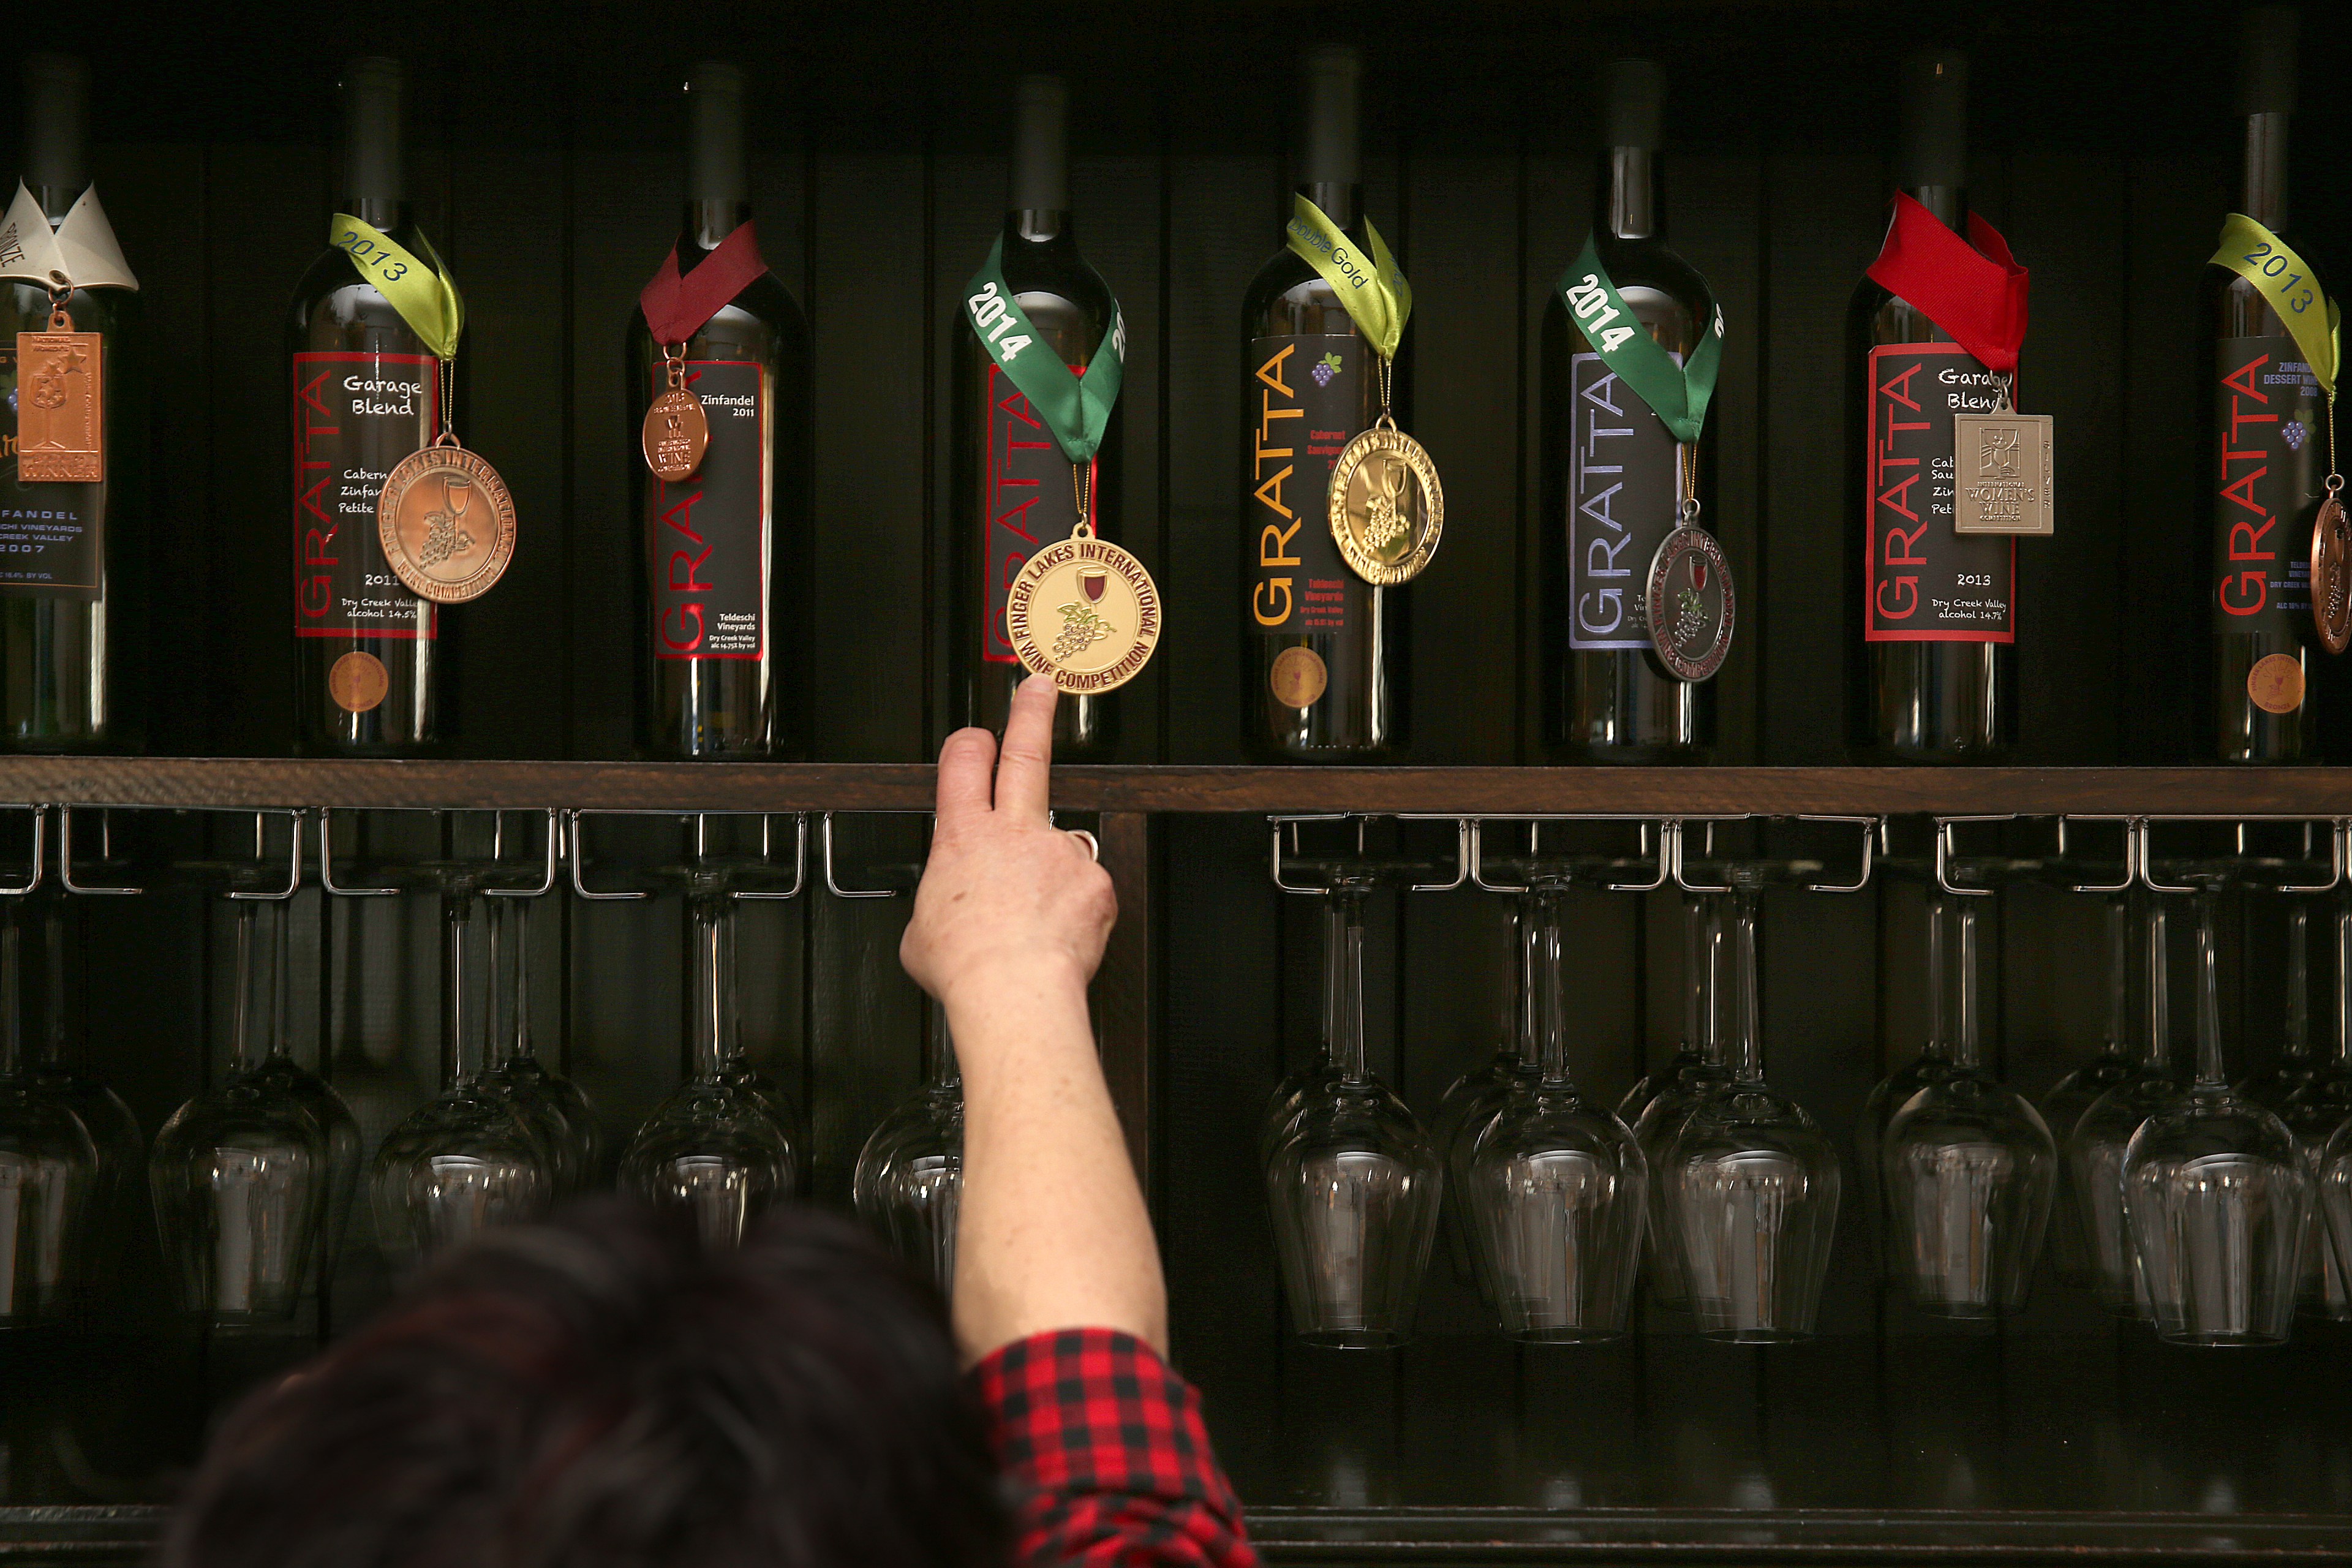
[675,308]
[1973,288]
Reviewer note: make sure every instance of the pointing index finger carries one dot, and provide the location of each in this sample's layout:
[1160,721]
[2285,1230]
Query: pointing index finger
[1024,761]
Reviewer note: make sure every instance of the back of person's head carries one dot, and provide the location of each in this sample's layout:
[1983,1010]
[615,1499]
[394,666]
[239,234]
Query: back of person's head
[602,1392]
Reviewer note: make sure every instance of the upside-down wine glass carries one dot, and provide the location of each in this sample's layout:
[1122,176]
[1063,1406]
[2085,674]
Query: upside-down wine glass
[49,1170]
[2313,1113]
[2070,1097]
[2217,1197]
[1470,1104]
[1680,1087]
[1891,1093]
[1968,1167]
[716,1152]
[556,1108]
[1557,1185]
[2095,1154]
[910,1174]
[1352,1182]
[1755,1180]
[466,1160]
[242,1174]
[67,1076]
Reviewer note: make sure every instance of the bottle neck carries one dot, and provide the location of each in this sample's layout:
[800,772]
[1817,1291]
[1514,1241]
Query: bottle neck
[710,1003]
[2265,196]
[1342,204]
[703,225]
[56,133]
[380,213]
[1343,982]
[1629,206]
[1038,225]
[1949,204]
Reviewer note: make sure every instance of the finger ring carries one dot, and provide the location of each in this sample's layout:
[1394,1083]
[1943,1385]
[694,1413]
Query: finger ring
[1094,851]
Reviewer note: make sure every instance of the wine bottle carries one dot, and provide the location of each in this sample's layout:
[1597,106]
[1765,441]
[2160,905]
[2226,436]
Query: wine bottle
[722,599]
[1931,652]
[1323,652]
[1613,475]
[73,554]
[1013,486]
[2264,454]
[366,392]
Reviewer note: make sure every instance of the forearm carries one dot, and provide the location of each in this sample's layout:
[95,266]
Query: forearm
[1051,1230]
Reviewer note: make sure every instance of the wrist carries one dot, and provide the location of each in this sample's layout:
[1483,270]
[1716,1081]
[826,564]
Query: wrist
[1026,986]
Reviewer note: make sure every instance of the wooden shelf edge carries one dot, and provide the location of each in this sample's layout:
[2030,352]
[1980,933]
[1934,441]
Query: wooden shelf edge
[230,782]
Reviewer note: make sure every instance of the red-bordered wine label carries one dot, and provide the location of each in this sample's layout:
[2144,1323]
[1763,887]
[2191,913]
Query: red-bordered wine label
[1922,581]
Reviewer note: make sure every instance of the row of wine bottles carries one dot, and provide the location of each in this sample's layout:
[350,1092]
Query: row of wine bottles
[1638,600]
[2211,1210]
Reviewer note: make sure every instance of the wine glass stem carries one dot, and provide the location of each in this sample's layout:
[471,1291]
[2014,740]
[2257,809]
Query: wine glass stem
[2210,1074]
[1552,1004]
[245,1027]
[1343,969]
[2118,922]
[461,1022]
[2298,982]
[711,1026]
[1694,922]
[2159,1045]
[1745,1057]
[1967,1024]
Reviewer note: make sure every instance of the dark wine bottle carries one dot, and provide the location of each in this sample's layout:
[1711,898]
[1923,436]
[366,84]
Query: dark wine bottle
[366,392]
[1012,484]
[1613,475]
[1931,656]
[722,597]
[2264,454]
[1323,652]
[72,555]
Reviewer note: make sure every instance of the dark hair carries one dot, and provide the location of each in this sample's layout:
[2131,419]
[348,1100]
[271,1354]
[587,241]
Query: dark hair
[600,1391]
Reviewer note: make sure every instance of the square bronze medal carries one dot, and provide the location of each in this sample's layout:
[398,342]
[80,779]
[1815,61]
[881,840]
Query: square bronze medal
[2001,478]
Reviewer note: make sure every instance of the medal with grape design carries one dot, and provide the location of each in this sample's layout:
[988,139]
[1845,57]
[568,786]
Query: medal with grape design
[1689,602]
[445,522]
[1387,507]
[1084,612]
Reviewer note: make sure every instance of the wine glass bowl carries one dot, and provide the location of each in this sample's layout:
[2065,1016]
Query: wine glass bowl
[1354,1187]
[463,1163]
[241,1177]
[1558,1188]
[714,1156]
[909,1179]
[1970,1172]
[49,1182]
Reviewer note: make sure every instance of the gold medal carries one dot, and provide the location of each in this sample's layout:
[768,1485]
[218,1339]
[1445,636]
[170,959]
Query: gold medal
[60,405]
[2331,570]
[446,522]
[1387,507]
[677,431]
[1083,611]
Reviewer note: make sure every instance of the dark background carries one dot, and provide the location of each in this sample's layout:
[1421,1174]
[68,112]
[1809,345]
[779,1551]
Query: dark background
[547,153]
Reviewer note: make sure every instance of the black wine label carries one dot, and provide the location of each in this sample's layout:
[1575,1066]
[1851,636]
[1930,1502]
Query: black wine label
[707,536]
[355,415]
[1306,397]
[1923,581]
[2270,423]
[1624,492]
[1030,502]
[52,537]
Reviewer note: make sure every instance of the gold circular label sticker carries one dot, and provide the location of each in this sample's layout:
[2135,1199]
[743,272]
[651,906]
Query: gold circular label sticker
[1387,507]
[1297,677]
[447,524]
[2275,683]
[357,681]
[1084,612]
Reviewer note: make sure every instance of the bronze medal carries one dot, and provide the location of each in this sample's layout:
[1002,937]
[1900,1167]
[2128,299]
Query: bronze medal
[1084,612]
[60,402]
[2003,472]
[2331,570]
[446,523]
[1387,508]
[677,431]
[1689,603]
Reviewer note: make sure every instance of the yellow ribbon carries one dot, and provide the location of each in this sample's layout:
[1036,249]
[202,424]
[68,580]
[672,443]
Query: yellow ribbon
[418,287]
[2286,281]
[1376,297]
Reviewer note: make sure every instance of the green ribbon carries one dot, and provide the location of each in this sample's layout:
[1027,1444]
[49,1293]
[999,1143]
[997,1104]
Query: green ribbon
[2285,279]
[1676,394]
[418,287]
[1378,299]
[1076,409]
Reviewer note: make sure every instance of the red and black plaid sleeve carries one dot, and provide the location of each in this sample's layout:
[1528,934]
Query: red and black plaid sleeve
[1109,1464]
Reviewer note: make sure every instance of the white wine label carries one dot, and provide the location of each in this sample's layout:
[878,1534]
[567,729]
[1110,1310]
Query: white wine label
[356,415]
[1923,581]
[82,248]
[1624,492]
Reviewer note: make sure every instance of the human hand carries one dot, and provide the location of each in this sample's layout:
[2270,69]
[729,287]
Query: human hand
[1008,902]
